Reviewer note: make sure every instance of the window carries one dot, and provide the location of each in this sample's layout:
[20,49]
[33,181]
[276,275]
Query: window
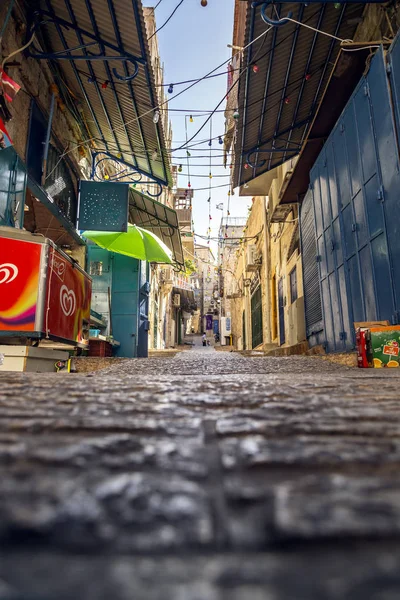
[293,285]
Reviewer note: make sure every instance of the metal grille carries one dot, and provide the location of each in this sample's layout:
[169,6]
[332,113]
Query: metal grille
[312,295]
[12,188]
[256,318]
[60,184]
[103,206]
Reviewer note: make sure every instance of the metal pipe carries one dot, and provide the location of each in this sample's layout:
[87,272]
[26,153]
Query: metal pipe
[267,273]
[48,136]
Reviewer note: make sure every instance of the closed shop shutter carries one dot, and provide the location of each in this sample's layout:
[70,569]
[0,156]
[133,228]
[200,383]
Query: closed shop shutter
[312,295]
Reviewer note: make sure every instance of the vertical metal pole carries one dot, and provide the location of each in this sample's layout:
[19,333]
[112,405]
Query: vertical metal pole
[48,136]
[267,273]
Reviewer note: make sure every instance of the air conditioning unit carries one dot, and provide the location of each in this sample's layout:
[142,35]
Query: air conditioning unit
[176,300]
[233,290]
[167,275]
[251,257]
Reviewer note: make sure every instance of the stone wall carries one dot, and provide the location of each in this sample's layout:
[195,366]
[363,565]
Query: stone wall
[37,83]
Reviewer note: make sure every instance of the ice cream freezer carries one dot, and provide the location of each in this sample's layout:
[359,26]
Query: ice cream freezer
[44,294]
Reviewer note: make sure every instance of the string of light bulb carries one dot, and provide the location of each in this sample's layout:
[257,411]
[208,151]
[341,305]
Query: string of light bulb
[161,104]
[154,110]
[299,80]
[250,65]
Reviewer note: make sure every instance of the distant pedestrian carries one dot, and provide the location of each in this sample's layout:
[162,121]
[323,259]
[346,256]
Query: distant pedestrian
[204,339]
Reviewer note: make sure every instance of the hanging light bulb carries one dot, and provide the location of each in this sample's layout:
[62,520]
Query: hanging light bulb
[119,155]
[210,175]
[229,192]
[105,85]
[204,2]
[106,176]
[287,100]
[189,185]
[180,169]
[308,77]
[246,166]
[171,88]
[210,143]
[256,68]
[188,153]
[191,119]
[220,140]
[156,116]
[236,114]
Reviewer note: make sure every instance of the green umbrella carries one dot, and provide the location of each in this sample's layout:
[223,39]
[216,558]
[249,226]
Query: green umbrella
[136,242]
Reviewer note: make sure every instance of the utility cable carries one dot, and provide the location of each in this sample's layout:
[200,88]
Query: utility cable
[154,109]
[168,20]
[242,71]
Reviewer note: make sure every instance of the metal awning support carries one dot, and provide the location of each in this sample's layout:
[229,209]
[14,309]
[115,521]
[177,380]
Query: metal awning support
[101,48]
[132,174]
[41,17]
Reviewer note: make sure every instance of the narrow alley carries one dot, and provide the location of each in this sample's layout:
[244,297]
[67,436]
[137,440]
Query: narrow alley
[204,476]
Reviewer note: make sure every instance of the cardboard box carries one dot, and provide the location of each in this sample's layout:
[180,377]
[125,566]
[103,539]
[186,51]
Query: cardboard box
[378,347]
[385,346]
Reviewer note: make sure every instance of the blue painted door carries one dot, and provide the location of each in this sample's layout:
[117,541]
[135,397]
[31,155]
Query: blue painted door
[355,184]
[125,303]
[281,311]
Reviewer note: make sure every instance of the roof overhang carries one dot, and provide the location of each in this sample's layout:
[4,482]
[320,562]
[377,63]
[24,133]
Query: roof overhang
[346,74]
[188,301]
[100,56]
[46,218]
[278,102]
[157,218]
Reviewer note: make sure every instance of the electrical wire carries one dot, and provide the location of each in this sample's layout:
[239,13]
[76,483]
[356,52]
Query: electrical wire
[154,109]
[168,20]
[157,5]
[256,57]
[242,71]
[7,58]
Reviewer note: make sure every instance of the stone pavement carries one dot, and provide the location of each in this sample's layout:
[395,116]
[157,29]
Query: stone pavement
[207,476]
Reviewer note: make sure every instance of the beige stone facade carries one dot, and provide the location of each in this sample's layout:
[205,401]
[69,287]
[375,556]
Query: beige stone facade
[268,263]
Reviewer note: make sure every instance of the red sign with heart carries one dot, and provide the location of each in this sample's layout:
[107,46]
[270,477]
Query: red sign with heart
[68,299]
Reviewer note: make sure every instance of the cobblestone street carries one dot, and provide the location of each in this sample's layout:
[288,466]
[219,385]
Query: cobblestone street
[205,476]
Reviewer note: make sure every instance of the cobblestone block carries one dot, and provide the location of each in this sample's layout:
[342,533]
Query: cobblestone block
[206,476]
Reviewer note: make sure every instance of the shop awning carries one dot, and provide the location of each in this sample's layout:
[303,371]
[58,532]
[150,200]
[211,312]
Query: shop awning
[188,301]
[100,57]
[346,74]
[158,218]
[277,103]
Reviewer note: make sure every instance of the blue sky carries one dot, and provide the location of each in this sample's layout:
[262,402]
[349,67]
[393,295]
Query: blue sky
[193,43]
